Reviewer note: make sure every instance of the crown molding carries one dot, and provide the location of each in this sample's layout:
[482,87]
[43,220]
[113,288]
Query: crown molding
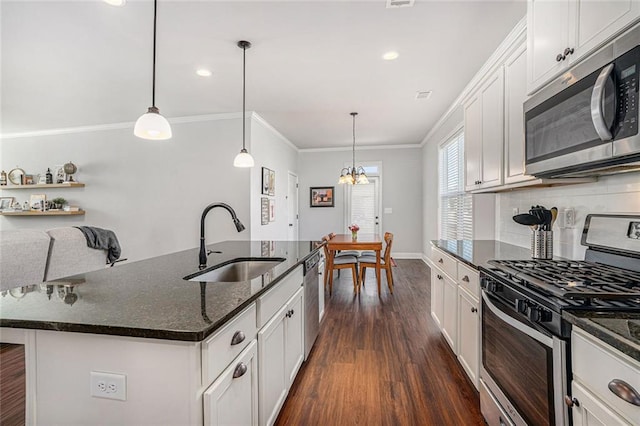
[273,130]
[362,148]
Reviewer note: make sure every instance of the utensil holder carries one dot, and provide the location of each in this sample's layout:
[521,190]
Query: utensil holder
[542,244]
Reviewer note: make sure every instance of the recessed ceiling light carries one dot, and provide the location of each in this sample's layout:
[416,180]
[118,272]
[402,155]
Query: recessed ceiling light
[390,56]
[203,72]
[115,2]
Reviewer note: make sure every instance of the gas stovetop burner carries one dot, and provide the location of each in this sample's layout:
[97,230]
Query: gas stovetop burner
[571,279]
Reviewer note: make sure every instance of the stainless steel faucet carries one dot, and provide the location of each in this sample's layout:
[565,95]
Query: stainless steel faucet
[239,226]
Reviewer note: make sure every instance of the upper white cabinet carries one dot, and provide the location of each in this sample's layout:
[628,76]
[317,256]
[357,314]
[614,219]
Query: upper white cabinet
[484,134]
[561,32]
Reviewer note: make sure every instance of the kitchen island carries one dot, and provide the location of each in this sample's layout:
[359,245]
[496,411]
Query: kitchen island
[144,322]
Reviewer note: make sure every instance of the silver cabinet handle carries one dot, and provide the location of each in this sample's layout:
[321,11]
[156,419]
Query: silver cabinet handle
[238,337]
[597,96]
[624,391]
[240,369]
[465,278]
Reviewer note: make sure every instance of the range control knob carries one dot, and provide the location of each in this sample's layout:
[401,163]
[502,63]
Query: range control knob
[537,314]
[493,287]
[521,306]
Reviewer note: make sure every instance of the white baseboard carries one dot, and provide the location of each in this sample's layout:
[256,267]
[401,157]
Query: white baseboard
[406,255]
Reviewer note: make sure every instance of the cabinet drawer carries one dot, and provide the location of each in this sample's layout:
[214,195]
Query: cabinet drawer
[273,300]
[445,262]
[469,279]
[596,364]
[218,350]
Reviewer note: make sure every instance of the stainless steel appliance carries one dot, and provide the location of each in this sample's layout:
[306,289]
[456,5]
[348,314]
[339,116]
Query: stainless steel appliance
[311,302]
[585,122]
[525,342]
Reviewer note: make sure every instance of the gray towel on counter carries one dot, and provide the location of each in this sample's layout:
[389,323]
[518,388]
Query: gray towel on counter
[103,239]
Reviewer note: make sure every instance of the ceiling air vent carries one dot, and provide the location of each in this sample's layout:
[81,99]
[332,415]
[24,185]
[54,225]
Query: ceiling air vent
[426,94]
[399,3]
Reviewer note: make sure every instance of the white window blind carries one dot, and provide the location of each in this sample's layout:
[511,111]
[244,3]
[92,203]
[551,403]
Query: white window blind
[456,208]
[363,199]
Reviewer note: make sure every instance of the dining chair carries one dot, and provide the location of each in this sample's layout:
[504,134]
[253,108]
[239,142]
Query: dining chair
[369,261]
[339,262]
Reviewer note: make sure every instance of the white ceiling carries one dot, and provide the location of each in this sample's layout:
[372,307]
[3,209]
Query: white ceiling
[79,63]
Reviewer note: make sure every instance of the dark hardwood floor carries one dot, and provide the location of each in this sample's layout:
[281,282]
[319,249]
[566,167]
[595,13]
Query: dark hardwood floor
[12,385]
[381,361]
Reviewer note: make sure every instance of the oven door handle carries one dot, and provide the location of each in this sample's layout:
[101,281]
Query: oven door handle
[597,113]
[534,334]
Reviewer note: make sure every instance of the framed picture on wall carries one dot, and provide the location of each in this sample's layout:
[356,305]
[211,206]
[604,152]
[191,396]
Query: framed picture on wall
[272,182]
[264,211]
[321,196]
[266,177]
[272,210]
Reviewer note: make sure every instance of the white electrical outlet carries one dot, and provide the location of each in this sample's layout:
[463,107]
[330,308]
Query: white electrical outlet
[515,211]
[108,385]
[569,218]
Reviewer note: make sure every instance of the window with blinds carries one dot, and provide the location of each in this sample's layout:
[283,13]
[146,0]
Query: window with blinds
[363,206]
[456,207]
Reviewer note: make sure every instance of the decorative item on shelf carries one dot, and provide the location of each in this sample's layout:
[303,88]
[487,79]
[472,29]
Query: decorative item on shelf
[6,203]
[58,176]
[58,203]
[321,196]
[15,176]
[353,175]
[37,202]
[3,178]
[69,170]
[151,125]
[49,177]
[68,208]
[354,228]
[243,159]
[28,180]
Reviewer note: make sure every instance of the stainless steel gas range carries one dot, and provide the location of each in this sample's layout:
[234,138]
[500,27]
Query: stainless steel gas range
[525,342]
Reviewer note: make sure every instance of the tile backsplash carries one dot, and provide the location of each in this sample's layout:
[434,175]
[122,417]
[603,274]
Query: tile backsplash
[610,194]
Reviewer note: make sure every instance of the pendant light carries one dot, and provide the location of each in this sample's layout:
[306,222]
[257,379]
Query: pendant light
[152,125]
[352,175]
[244,159]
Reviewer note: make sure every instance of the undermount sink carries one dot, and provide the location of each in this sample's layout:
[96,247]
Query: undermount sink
[237,270]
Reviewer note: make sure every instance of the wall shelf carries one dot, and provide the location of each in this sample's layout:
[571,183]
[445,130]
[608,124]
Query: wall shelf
[39,213]
[45,185]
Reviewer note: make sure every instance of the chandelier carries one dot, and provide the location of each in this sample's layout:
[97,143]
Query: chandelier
[353,175]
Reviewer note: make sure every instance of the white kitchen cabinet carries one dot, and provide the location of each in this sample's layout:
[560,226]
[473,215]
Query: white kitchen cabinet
[468,334]
[484,139]
[560,33]
[437,293]
[590,412]
[450,315]
[233,398]
[515,94]
[280,354]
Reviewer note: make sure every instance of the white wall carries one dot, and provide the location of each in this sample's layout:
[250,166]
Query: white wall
[401,191]
[611,194]
[270,149]
[151,193]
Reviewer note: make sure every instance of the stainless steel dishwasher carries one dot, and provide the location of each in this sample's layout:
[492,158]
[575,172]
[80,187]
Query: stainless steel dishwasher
[311,303]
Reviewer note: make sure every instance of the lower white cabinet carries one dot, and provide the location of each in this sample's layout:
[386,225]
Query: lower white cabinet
[280,354]
[233,398]
[450,315]
[468,336]
[437,293]
[590,411]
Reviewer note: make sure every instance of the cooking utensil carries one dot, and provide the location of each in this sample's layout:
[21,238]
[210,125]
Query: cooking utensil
[527,219]
[554,215]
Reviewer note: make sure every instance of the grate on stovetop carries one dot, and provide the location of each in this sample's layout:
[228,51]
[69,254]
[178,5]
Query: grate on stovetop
[573,279]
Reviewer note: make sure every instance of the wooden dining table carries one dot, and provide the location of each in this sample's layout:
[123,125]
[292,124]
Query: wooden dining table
[363,242]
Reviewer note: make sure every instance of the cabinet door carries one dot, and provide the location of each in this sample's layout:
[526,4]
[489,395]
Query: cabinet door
[450,315]
[294,337]
[234,400]
[272,388]
[468,334]
[492,94]
[590,411]
[549,26]
[600,20]
[515,93]
[437,294]
[472,143]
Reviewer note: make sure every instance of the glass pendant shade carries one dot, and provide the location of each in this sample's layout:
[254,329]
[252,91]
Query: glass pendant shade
[153,126]
[244,159]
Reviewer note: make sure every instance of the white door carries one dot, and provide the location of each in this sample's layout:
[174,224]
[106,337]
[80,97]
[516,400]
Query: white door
[363,206]
[292,207]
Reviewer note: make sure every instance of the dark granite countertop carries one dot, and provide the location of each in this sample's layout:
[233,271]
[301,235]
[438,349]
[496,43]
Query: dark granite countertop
[476,253]
[619,329]
[149,298]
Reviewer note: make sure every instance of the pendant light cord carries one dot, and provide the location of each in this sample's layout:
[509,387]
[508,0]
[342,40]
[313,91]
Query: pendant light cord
[244,72]
[155,18]
[353,114]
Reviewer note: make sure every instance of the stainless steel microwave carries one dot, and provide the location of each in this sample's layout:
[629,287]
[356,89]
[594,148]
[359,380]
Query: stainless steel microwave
[585,123]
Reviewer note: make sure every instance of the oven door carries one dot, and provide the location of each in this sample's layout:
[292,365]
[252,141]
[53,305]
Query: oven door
[523,368]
